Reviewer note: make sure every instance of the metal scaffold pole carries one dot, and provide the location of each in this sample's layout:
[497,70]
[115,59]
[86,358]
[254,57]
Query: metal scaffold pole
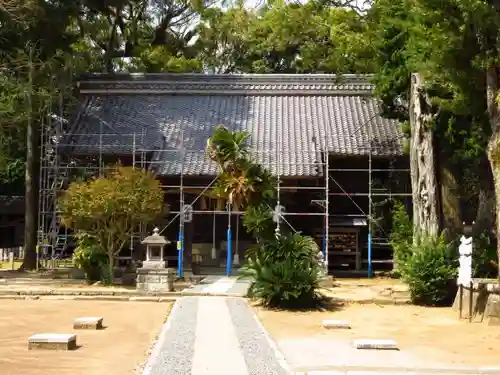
[180,242]
[370,221]
[327,212]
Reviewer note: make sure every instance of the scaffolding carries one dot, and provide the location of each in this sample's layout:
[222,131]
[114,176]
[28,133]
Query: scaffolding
[60,166]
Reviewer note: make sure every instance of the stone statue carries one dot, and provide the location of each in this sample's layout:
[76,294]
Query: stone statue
[322,265]
[465,268]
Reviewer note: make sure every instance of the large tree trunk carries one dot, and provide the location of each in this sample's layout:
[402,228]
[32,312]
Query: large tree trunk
[450,201]
[31,191]
[492,90]
[422,163]
[485,214]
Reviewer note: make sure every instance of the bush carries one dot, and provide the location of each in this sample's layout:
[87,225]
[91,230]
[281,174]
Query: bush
[285,272]
[401,238]
[430,271]
[484,256]
[90,259]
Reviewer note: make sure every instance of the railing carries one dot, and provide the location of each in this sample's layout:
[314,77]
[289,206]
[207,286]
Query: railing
[18,253]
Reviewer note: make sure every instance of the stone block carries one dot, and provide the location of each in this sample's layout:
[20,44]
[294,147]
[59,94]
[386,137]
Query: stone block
[155,280]
[144,299]
[154,264]
[334,324]
[90,322]
[52,341]
[375,344]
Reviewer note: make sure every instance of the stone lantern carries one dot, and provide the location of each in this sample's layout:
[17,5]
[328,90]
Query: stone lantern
[154,250]
[154,276]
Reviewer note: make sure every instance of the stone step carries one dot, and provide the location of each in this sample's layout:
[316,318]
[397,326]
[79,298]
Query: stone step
[336,324]
[89,322]
[52,341]
[375,344]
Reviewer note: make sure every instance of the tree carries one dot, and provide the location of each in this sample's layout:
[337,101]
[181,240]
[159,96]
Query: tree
[33,42]
[284,268]
[284,38]
[136,35]
[240,180]
[458,60]
[111,207]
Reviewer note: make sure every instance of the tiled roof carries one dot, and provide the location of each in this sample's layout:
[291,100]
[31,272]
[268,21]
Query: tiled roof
[291,118]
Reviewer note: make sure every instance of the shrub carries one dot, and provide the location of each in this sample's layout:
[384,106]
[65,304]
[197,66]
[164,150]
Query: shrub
[285,272]
[430,271]
[401,238]
[484,256]
[111,207]
[258,221]
[90,259]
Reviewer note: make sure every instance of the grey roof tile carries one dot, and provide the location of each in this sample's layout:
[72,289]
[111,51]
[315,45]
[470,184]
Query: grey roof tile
[283,127]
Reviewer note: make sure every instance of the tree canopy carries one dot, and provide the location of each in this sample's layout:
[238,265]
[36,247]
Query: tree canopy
[453,44]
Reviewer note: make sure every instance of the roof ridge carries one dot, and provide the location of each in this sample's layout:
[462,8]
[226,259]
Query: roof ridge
[243,84]
[221,76]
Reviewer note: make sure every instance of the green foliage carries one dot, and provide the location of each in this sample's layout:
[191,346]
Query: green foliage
[111,207]
[401,238]
[90,258]
[284,269]
[285,38]
[484,256]
[258,220]
[243,182]
[430,271]
[285,272]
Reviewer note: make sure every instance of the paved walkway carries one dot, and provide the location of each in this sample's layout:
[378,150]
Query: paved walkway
[221,286]
[214,336]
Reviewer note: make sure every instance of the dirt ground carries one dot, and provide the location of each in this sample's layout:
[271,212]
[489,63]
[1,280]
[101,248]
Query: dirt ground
[130,330]
[431,334]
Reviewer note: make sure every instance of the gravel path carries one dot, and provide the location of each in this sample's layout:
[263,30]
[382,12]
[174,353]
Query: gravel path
[221,286]
[260,355]
[214,336]
[174,350]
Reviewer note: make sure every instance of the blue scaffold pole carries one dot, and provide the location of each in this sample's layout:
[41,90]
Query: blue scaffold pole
[229,252]
[180,249]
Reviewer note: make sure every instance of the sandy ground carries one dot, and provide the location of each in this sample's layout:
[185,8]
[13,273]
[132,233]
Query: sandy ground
[131,328]
[427,335]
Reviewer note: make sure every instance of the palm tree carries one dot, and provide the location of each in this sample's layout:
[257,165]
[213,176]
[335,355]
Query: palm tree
[227,148]
[246,182]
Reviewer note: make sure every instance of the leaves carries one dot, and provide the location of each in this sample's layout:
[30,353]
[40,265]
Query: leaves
[240,180]
[285,38]
[111,207]
[430,271]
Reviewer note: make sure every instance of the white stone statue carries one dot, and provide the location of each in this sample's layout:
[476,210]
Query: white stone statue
[465,268]
[322,264]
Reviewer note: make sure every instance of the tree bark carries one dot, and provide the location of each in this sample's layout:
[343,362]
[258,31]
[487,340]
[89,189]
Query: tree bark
[485,213]
[31,191]
[423,163]
[492,90]
[450,201]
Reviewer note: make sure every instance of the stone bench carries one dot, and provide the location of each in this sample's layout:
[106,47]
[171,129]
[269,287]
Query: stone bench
[375,344]
[52,341]
[88,323]
[336,324]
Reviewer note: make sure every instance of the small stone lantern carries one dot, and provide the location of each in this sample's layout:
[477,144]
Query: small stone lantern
[154,250]
[154,276]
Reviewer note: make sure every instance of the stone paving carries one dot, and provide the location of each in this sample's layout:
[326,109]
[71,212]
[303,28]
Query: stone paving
[326,356]
[212,336]
[392,372]
[221,286]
